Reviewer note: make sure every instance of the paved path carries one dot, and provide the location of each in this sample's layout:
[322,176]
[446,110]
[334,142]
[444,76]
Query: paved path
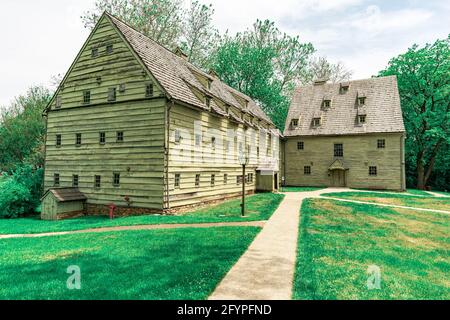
[266,270]
[140,227]
[438,194]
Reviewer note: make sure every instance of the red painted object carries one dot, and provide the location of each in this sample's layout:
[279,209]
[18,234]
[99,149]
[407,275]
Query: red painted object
[112,207]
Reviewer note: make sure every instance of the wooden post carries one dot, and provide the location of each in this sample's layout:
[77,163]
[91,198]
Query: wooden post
[243,191]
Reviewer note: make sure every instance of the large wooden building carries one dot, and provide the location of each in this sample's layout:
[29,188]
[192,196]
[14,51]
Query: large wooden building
[346,135]
[137,125]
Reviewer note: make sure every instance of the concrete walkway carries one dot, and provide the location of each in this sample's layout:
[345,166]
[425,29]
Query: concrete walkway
[266,270]
[435,194]
[139,227]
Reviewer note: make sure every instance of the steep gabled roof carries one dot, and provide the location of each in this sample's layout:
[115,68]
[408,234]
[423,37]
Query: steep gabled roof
[175,74]
[382,108]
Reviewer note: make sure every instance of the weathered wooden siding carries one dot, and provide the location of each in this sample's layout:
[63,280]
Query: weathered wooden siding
[360,152]
[188,160]
[139,158]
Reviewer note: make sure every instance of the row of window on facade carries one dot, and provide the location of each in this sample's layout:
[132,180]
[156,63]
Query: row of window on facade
[112,94]
[97,180]
[248,179]
[360,101]
[102,138]
[339,147]
[317,122]
[373,171]
[240,146]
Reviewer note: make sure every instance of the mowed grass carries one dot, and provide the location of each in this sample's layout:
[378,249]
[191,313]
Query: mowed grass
[301,189]
[429,202]
[157,264]
[339,241]
[258,207]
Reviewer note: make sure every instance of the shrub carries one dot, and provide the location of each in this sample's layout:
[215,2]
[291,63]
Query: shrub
[20,192]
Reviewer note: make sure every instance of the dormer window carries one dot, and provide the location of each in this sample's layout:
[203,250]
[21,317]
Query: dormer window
[208,101]
[316,122]
[362,119]
[344,88]
[209,84]
[294,123]
[362,101]
[326,103]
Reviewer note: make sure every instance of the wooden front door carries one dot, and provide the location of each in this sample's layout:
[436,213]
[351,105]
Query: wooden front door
[338,178]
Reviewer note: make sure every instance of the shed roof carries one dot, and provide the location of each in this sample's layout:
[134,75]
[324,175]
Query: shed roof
[176,75]
[66,194]
[382,107]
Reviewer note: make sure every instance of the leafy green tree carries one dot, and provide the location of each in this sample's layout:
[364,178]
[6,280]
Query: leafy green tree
[22,130]
[265,64]
[199,35]
[424,82]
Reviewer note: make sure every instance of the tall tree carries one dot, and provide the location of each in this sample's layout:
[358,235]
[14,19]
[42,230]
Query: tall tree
[161,20]
[265,64]
[22,130]
[424,82]
[321,68]
[199,34]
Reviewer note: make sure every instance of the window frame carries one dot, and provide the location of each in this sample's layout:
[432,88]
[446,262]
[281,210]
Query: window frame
[112,94]
[326,103]
[300,145]
[116,179]
[307,170]
[225,178]
[362,118]
[177,180]
[197,180]
[373,171]
[58,140]
[149,90]
[58,102]
[102,138]
[338,152]
[109,48]
[362,101]
[317,122]
[56,179]
[78,139]
[213,180]
[86,96]
[97,181]
[294,123]
[381,144]
[94,52]
[75,180]
[120,136]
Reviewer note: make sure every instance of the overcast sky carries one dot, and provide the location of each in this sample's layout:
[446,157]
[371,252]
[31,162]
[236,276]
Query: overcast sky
[41,38]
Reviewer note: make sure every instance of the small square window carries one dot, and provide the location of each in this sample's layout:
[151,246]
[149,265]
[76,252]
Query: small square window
[381,144]
[213,142]
[307,170]
[58,102]
[58,140]
[149,90]
[75,180]
[294,123]
[362,119]
[373,171]
[116,179]
[109,49]
[78,139]
[197,180]
[343,89]
[119,136]
[338,150]
[177,180]
[102,137]
[239,179]
[362,101]
[225,178]
[326,103]
[56,179]
[213,180]
[87,96]
[316,122]
[122,88]
[94,52]
[97,181]
[112,94]
[300,145]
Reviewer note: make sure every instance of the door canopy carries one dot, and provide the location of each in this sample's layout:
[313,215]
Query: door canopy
[337,165]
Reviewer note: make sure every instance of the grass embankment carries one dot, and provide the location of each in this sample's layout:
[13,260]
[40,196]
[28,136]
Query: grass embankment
[156,264]
[258,207]
[339,241]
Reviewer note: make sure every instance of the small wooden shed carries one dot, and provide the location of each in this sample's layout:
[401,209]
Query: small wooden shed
[60,203]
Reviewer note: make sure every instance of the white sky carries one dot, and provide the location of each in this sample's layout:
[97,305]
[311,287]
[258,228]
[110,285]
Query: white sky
[41,38]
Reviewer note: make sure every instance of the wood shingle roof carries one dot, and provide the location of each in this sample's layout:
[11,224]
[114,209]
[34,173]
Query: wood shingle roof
[381,107]
[176,75]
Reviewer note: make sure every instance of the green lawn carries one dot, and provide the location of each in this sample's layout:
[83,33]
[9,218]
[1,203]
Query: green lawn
[418,192]
[339,241]
[300,189]
[156,264]
[259,207]
[430,202]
